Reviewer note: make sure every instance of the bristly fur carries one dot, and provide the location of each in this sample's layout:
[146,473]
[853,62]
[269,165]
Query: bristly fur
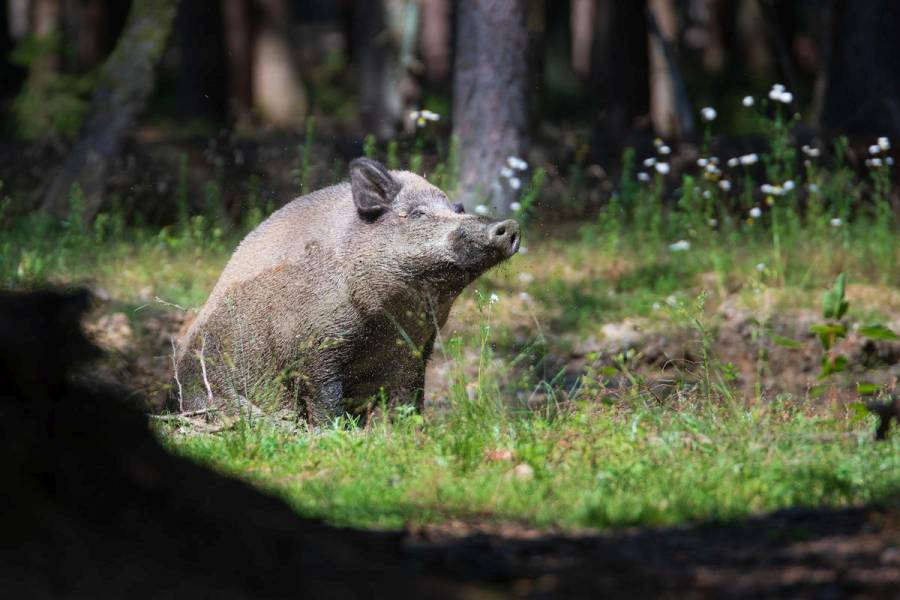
[336,298]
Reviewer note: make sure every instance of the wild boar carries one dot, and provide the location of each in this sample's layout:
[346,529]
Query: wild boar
[337,297]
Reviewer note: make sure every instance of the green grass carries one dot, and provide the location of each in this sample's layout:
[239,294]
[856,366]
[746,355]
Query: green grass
[594,466]
[598,448]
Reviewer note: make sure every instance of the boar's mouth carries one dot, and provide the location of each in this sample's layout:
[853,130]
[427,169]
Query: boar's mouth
[480,245]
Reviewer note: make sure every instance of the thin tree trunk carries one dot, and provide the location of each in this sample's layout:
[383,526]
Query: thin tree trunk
[490,113]
[663,109]
[384,30]
[620,72]
[238,42]
[201,85]
[278,92]
[862,92]
[436,17]
[19,19]
[582,27]
[670,110]
[91,31]
[125,83]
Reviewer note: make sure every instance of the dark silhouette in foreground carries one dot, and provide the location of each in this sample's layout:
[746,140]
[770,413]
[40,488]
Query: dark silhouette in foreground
[94,507]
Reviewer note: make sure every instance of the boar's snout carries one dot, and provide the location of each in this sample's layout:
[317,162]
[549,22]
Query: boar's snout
[504,236]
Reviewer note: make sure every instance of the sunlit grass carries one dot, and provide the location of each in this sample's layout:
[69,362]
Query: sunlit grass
[595,466]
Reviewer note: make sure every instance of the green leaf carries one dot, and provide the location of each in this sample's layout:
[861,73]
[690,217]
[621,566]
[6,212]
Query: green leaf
[878,332]
[832,366]
[787,342]
[834,330]
[834,306]
[860,412]
[818,390]
[864,388]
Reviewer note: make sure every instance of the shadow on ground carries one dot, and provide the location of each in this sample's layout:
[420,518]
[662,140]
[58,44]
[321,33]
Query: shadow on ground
[94,507]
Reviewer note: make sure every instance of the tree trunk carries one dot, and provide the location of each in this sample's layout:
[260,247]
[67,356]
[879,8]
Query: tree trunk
[436,26]
[620,69]
[278,92]
[125,83]
[663,109]
[490,113]
[582,26]
[384,31]
[862,91]
[90,34]
[201,86]
[670,111]
[238,41]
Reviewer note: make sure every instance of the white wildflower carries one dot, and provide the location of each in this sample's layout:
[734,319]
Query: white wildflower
[707,194]
[786,97]
[761,267]
[813,188]
[836,222]
[515,183]
[713,222]
[702,162]
[776,92]
[526,277]
[708,113]
[515,206]
[755,212]
[494,299]
[810,151]
[421,117]
[884,143]
[643,177]
[524,296]
[657,306]
[788,185]
[889,161]
[712,169]
[733,162]
[517,163]
[482,210]
[874,162]
[665,150]
[506,172]
[662,168]
[725,185]
[748,101]
[680,246]
[750,159]
[874,149]
[714,160]
[649,162]
[767,188]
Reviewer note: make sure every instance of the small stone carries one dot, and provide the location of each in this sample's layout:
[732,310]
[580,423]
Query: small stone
[523,472]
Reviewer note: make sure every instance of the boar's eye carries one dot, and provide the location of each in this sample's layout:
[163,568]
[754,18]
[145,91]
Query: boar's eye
[416,213]
[458,207]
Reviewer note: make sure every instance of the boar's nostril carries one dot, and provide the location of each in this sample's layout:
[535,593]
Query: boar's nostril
[500,230]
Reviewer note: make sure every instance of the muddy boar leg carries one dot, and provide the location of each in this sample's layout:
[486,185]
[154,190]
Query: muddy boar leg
[408,386]
[327,403]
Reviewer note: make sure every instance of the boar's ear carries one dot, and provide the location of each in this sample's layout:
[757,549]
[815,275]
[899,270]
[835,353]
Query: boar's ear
[373,187]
